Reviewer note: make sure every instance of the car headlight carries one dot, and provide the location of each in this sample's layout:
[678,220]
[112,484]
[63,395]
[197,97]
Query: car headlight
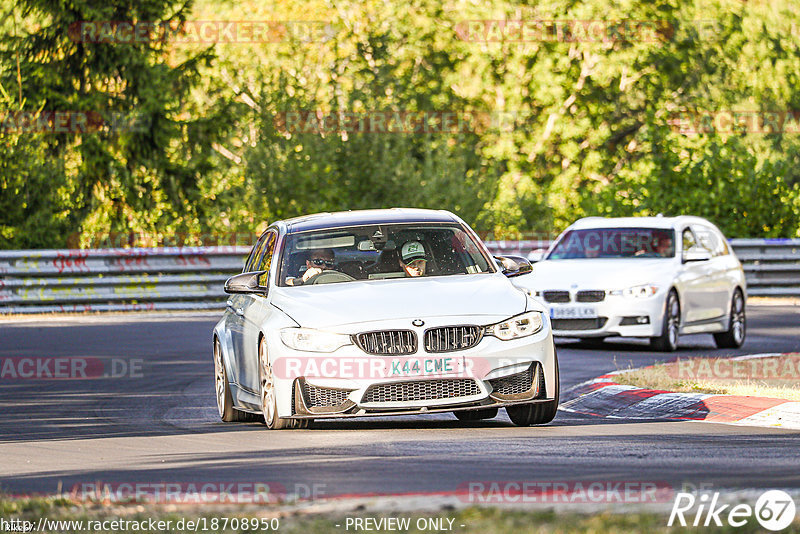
[642,291]
[520,326]
[310,340]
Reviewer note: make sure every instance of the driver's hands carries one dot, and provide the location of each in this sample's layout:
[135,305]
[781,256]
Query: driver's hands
[313,271]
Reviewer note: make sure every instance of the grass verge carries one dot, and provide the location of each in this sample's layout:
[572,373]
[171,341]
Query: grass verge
[774,376]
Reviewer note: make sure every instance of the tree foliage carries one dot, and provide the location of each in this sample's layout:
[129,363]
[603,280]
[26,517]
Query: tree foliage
[592,127]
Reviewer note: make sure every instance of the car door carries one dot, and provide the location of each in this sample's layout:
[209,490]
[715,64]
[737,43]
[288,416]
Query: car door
[256,310]
[718,284]
[695,282]
[690,279]
[236,305]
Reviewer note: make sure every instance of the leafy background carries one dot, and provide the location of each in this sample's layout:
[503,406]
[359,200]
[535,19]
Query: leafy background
[591,131]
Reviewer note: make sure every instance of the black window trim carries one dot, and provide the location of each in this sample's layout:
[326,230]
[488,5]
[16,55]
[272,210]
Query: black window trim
[694,236]
[257,262]
[249,261]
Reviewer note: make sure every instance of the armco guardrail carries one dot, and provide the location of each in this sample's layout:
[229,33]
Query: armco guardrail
[183,278]
[771,266]
[179,278]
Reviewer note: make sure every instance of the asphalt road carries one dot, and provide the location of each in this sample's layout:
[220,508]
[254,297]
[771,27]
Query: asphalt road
[157,422]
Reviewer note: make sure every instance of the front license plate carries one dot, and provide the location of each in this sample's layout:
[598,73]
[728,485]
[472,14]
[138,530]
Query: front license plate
[573,312]
[424,366]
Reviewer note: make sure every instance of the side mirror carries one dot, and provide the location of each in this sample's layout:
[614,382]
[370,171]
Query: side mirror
[694,254]
[536,255]
[513,265]
[245,283]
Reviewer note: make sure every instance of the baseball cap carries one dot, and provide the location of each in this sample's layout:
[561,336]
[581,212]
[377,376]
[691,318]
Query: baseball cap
[412,250]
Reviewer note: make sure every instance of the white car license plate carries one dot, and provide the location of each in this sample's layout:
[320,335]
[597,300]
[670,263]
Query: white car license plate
[573,312]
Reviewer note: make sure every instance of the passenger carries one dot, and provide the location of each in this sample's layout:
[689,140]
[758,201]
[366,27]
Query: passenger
[413,259]
[664,247]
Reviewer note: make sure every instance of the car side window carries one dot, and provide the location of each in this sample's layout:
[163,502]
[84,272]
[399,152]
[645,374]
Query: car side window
[264,261]
[708,240]
[257,249]
[721,244]
[688,240]
[726,249]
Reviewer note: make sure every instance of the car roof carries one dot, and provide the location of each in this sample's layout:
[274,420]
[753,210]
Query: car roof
[341,219]
[637,222]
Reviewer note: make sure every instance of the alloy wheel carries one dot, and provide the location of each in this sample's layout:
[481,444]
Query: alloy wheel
[673,319]
[219,379]
[267,385]
[737,318]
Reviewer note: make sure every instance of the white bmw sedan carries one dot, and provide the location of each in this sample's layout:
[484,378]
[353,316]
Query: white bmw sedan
[653,277]
[381,312]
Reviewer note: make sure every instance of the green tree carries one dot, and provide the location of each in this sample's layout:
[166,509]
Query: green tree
[137,173]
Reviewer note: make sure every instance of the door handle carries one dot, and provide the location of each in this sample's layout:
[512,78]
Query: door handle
[239,311]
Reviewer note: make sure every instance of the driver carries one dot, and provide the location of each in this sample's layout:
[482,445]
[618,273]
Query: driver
[413,259]
[319,260]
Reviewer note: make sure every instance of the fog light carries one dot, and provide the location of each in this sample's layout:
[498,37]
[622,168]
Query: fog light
[634,320]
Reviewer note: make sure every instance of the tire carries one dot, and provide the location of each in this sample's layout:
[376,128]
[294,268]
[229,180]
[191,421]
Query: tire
[539,413]
[476,415]
[733,338]
[670,325]
[225,408]
[269,402]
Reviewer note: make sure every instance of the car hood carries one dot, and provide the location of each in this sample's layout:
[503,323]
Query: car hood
[606,274]
[321,306]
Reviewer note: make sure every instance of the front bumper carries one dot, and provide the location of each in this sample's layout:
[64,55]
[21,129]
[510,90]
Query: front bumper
[614,316]
[474,379]
[414,411]
[419,396]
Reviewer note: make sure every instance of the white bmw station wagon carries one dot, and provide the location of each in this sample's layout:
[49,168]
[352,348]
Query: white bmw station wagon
[652,277]
[381,312]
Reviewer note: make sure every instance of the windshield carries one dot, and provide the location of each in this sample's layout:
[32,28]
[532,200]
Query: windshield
[379,252]
[615,243]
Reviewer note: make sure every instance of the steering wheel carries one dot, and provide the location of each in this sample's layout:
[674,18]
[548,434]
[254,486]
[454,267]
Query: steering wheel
[329,277]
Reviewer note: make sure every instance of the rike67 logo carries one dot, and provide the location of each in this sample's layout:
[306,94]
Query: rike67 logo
[774,510]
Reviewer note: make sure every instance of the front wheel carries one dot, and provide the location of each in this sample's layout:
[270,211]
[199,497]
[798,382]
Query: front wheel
[539,413]
[670,325]
[733,338]
[269,400]
[225,407]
